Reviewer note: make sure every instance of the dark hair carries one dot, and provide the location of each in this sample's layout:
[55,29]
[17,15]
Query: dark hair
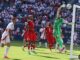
[15,15]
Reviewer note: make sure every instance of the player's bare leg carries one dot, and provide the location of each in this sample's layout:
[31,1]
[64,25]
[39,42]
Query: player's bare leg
[50,47]
[33,47]
[24,45]
[6,51]
[29,47]
[2,44]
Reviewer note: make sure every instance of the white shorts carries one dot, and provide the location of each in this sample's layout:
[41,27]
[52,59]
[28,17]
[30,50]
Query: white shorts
[5,37]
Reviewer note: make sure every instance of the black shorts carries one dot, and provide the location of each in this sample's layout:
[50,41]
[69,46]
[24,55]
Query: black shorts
[43,40]
[65,40]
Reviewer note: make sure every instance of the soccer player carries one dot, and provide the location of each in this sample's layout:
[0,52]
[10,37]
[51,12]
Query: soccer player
[57,29]
[42,36]
[49,35]
[57,26]
[5,39]
[31,35]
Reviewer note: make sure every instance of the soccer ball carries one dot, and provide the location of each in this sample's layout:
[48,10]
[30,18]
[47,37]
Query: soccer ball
[69,6]
[64,25]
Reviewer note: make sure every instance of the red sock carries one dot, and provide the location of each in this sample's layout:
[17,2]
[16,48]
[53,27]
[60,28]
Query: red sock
[24,46]
[50,46]
[29,47]
[33,46]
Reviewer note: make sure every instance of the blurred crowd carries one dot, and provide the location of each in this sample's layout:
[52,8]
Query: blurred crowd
[42,10]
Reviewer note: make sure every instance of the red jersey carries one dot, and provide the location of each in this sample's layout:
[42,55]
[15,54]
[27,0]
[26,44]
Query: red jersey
[31,25]
[49,30]
[32,36]
[49,35]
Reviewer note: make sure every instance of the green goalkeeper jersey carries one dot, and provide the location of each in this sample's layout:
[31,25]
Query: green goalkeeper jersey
[57,26]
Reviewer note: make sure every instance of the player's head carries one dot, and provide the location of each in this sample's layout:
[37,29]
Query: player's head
[30,17]
[48,24]
[14,17]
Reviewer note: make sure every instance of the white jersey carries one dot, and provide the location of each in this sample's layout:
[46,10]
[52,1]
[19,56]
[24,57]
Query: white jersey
[10,26]
[5,36]
[42,30]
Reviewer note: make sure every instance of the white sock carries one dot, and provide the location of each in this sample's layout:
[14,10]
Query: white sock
[46,45]
[39,43]
[6,51]
[56,46]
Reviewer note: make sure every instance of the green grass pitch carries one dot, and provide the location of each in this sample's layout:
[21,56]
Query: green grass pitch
[16,53]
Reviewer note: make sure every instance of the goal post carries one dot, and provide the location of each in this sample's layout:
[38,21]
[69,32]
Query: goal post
[72,31]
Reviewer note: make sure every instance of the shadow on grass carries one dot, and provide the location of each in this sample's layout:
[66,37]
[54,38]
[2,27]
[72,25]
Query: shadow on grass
[47,57]
[20,43]
[10,59]
[76,48]
[42,52]
[16,59]
[17,43]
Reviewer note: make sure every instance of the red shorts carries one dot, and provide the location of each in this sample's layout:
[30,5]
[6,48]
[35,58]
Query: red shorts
[50,39]
[31,35]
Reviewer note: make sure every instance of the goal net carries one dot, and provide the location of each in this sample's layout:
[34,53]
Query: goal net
[75,27]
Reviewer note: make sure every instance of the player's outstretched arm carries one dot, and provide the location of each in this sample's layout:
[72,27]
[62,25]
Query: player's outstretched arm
[58,11]
[66,22]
